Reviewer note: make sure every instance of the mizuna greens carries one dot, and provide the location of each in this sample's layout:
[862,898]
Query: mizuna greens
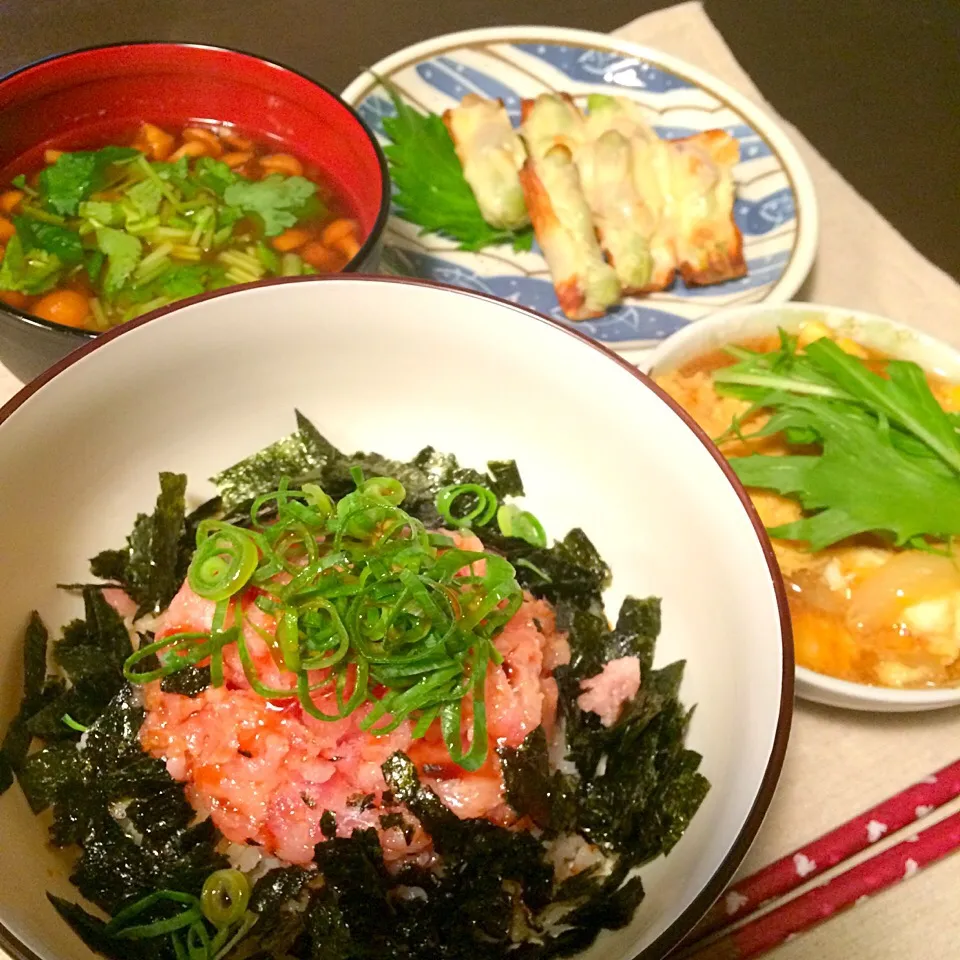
[161,875]
[876,454]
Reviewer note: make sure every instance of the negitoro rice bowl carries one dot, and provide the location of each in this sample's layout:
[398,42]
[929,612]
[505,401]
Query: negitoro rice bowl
[353,701]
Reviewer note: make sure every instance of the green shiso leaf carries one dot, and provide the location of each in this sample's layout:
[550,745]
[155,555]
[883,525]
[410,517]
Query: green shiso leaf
[75,176]
[63,243]
[431,191]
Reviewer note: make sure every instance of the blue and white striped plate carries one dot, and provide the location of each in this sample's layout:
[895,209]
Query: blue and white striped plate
[775,209]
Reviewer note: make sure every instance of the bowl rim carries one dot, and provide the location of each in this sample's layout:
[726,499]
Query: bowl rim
[853,695]
[684,924]
[352,266]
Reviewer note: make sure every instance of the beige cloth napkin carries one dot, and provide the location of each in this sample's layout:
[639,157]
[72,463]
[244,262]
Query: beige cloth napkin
[840,763]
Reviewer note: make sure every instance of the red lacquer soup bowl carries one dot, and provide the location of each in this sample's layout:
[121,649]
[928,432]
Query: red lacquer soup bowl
[88,98]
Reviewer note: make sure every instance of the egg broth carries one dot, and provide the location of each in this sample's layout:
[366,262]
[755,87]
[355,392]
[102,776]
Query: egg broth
[862,610]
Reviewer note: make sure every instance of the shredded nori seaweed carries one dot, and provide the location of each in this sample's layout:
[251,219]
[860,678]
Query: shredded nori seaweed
[494,884]
[149,567]
[189,682]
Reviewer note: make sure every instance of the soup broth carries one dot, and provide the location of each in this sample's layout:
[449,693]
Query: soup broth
[96,237]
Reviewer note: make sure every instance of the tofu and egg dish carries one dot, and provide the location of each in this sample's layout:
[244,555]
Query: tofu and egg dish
[852,460]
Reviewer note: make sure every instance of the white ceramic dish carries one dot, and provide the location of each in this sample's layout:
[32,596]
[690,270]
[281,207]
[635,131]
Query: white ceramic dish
[879,333]
[776,208]
[392,365]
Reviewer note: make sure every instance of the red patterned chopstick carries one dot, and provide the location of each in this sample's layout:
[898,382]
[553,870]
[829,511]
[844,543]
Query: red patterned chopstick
[824,853]
[894,865]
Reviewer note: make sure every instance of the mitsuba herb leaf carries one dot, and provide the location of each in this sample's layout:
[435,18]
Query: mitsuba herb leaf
[73,177]
[28,271]
[145,196]
[93,261]
[52,238]
[101,213]
[184,280]
[430,187]
[149,568]
[215,175]
[122,251]
[276,200]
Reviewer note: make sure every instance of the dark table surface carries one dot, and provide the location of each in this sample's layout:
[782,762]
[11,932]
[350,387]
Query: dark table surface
[874,84]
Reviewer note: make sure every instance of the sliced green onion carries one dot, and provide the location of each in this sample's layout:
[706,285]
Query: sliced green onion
[224,562]
[481,514]
[288,636]
[369,608]
[221,950]
[387,487]
[72,724]
[514,522]
[224,897]
[119,920]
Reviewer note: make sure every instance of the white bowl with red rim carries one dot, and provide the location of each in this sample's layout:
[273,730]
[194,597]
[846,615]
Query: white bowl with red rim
[392,365]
